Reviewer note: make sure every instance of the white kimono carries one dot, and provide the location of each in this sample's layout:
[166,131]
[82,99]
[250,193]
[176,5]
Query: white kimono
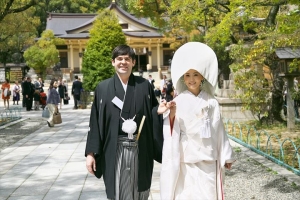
[196,151]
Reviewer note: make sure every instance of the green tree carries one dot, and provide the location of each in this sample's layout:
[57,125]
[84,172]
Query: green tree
[255,49]
[17,32]
[15,6]
[43,53]
[105,35]
[244,35]
[186,19]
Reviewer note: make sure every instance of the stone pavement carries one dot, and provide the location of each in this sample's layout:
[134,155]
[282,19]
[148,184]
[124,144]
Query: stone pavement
[50,163]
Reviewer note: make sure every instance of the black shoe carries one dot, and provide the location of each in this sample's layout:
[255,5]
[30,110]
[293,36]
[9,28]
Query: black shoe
[48,124]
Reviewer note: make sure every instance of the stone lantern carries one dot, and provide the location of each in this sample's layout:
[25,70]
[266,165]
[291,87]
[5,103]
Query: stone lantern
[285,57]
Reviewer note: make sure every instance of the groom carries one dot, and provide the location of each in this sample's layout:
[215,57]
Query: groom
[119,152]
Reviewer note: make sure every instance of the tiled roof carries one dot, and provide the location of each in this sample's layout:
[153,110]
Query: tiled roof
[84,24]
[76,35]
[143,34]
[142,21]
[288,52]
[132,34]
[62,24]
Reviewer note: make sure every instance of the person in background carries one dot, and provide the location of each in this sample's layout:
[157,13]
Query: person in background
[66,85]
[62,92]
[196,149]
[157,93]
[23,97]
[66,98]
[28,91]
[151,80]
[37,85]
[5,93]
[52,101]
[36,98]
[42,84]
[43,99]
[163,86]
[169,90]
[141,73]
[76,90]
[16,93]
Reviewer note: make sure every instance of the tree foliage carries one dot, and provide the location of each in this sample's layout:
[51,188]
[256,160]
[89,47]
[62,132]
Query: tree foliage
[256,49]
[244,35]
[17,32]
[43,53]
[105,35]
[15,6]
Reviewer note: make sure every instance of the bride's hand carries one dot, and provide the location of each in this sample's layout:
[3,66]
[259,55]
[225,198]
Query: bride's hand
[164,106]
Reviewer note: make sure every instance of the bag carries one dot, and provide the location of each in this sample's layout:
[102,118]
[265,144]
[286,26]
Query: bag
[66,102]
[46,112]
[57,118]
[8,93]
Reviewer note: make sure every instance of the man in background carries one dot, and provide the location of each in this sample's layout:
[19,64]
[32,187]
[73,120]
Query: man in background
[151,80]
[28,91]
[22,86]
[163,86]
[76,90]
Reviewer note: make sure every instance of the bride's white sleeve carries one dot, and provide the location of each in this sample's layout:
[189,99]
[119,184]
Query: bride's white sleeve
[170,158]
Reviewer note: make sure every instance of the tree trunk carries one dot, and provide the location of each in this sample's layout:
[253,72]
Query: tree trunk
[271,19]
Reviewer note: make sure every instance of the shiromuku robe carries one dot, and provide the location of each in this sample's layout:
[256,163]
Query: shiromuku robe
[196,151]
[105,127]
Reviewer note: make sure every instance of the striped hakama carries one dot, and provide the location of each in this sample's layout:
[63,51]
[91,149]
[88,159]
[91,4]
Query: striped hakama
[126,171]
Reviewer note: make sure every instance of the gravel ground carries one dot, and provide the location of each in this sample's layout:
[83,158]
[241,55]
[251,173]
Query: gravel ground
[247,179]
[18,131]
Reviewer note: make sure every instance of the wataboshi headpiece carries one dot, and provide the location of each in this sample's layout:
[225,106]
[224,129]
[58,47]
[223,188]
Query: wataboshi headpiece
[197,56]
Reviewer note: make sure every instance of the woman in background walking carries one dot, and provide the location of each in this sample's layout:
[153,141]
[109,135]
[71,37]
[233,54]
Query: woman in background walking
[52,101]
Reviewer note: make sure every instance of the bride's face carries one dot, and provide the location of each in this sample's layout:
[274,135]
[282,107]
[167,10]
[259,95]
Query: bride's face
[192,80]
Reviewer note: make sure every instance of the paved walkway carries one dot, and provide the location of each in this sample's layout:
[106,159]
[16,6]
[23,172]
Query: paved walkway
[50,163]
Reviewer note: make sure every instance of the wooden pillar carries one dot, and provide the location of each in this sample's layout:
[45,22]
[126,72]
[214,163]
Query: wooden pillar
[158,60]
[80,57]
[71,63]
[290,104]
[72,57]
[150,56]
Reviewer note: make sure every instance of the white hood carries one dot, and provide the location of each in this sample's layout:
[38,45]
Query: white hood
[197,56]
